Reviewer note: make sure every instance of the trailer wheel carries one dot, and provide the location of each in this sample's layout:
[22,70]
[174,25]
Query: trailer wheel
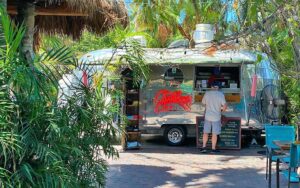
[174,135]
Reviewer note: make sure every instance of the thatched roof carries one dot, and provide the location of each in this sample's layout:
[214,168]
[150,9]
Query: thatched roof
[71,17]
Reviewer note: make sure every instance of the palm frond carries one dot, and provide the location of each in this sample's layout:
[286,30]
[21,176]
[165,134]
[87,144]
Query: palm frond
[10,38]
[62,55]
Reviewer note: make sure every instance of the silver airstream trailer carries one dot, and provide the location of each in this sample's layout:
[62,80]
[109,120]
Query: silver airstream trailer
[179,76]
[171,100]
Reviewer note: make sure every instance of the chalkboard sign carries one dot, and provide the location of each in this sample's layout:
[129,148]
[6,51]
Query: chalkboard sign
[230,137]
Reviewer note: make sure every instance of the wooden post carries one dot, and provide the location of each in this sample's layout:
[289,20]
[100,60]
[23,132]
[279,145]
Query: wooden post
[48,11]
[124,140]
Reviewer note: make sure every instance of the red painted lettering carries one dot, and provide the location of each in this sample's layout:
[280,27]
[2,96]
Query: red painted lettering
[165,101]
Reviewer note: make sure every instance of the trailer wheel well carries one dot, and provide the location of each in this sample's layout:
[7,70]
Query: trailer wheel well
[164,126]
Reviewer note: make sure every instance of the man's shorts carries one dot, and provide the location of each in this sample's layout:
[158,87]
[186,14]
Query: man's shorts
[212,126]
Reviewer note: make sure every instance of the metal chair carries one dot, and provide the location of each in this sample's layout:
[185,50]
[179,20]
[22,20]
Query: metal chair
[294,161]
[275,132]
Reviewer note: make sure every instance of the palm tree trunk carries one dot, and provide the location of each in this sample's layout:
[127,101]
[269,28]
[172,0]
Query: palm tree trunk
[26,13]
[184,33]
[197,10]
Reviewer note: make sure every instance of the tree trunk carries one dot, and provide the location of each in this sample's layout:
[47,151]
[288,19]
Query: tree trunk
[26,13]
[186,35]
[197,11]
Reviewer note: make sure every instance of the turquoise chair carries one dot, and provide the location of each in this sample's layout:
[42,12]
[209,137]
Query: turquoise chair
[294,162]
[275,132]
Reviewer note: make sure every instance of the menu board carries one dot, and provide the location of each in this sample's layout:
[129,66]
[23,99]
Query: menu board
[230,137]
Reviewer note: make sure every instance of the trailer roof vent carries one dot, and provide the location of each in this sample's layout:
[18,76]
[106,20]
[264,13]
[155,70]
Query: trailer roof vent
[181,43]
[139,39]
[203,35]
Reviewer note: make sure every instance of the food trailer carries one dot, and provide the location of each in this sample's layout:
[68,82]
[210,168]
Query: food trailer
[179,77]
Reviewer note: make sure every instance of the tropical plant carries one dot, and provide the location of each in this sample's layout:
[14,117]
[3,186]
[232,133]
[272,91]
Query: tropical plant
[167,19]
[113,39]
[3,3]
[274,28]
[43,144]
[88,42]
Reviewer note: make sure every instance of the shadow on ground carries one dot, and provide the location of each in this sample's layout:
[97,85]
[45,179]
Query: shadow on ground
[157,145]
[153,176]
[131,176]
[159,165]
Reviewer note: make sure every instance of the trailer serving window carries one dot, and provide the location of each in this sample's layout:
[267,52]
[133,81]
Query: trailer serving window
[227,77]
[173,77]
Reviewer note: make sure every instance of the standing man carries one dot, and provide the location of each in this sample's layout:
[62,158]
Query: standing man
[215,103]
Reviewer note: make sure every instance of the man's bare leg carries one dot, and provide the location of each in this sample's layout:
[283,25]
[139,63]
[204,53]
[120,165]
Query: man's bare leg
[205,139]
[214,140]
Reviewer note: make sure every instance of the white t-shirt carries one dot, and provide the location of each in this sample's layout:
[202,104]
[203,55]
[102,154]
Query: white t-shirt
[213,100]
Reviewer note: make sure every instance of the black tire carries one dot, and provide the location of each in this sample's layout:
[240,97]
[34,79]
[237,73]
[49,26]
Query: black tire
[174,135]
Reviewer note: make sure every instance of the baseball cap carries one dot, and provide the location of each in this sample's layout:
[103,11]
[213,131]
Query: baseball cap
[216,84]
